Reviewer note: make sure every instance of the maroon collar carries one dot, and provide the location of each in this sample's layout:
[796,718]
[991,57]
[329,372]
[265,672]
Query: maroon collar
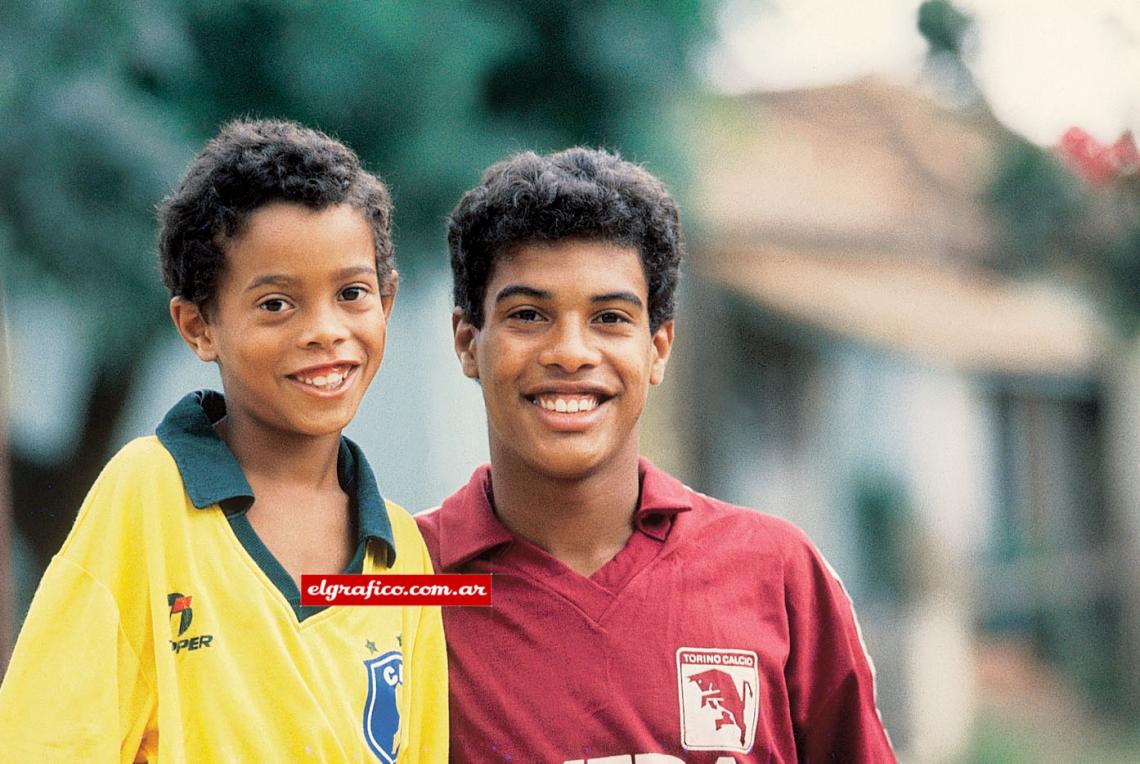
[468,526]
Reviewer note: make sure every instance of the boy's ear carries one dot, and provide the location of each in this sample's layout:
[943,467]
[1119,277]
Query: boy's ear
[466,343]
[193,327]
[662,345]
[388,294]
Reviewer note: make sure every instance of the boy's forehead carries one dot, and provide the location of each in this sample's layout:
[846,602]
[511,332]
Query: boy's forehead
[336,237]
[569,263]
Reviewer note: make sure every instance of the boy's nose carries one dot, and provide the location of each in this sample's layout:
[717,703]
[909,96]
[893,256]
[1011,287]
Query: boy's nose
[570,348]
[325,327]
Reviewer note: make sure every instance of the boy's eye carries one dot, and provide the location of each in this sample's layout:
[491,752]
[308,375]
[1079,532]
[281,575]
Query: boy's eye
[526,314]
[353,293]
[611,317]
[273,305]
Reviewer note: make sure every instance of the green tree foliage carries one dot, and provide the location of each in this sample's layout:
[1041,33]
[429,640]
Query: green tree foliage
[102,103]
[944,26]
[1058,223]
[1052,219]
[887,536]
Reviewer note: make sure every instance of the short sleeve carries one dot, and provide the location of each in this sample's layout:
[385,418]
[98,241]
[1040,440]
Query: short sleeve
[75,689]
[72,691]
[830,678]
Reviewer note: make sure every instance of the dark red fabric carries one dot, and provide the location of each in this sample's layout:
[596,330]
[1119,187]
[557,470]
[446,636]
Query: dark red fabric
[564,668]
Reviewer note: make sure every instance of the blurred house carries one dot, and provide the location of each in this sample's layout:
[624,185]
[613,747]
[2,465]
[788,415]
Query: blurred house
[853,364]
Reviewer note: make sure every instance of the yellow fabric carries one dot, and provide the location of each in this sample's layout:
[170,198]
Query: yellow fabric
[95,675]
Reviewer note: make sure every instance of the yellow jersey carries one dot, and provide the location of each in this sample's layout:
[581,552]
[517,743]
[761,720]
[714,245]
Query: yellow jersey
[165,631]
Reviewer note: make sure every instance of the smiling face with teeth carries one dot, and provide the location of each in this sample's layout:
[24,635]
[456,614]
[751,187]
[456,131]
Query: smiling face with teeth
[565,357]
[298,324]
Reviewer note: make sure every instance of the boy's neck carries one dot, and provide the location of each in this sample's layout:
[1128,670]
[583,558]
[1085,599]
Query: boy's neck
[272,456]
[300,512]
[583,521]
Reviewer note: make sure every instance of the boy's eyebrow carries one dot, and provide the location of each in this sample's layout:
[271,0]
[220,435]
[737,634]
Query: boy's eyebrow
[280,279]
[277,279]
[542,294]
[629,297]
[520,289]
[356,270]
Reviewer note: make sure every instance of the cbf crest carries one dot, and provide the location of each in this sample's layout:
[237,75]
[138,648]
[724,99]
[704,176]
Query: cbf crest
[719,699]
[382,707]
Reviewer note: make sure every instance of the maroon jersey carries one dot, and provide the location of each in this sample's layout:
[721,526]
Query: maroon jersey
[716,635]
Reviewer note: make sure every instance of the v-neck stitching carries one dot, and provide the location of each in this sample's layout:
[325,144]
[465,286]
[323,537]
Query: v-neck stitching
[594,595]
[271,574]
[280,578]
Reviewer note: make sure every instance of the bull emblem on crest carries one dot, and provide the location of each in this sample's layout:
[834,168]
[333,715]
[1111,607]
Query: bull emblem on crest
[718,691]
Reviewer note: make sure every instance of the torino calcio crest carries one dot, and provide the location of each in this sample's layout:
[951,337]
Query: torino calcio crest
[382,708]
[719,695]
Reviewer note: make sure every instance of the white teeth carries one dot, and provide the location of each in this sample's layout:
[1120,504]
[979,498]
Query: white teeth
[330,380]
[568,405]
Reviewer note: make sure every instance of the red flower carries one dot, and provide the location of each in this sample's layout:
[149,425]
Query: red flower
[1098,164]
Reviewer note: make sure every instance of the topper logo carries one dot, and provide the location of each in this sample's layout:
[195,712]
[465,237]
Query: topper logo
[718,692]
[180,604]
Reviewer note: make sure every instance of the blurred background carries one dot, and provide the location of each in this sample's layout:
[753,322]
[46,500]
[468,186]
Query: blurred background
[909,322]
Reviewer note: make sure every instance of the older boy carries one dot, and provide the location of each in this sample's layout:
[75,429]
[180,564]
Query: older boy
[634,619]
[170,625]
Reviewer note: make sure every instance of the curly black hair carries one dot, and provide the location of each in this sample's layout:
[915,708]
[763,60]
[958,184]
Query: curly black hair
[249,164]
[580,193]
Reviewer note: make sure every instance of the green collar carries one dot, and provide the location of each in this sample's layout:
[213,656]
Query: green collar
[212,475]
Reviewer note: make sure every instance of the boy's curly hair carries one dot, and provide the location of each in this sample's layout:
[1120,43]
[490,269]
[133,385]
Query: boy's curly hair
[577,193]
[249,164]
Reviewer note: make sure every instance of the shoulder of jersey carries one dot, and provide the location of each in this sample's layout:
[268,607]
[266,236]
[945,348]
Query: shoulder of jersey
[398,516]
[140,454]
[139,477]
[725,517]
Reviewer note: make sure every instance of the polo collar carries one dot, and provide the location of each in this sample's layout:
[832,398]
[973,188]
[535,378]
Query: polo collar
[469,527]
[211,474]
[663,497]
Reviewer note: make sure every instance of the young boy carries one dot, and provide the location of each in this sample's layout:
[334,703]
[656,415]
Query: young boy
[170,626]
[634,620]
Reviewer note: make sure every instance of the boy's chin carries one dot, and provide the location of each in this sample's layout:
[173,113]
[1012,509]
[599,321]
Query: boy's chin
[566,466]
[317,427]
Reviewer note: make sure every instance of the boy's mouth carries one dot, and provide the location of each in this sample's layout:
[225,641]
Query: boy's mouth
[567,403]
[324,377]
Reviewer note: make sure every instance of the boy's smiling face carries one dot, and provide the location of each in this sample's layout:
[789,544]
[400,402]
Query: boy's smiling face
[565,356]
[299,320]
